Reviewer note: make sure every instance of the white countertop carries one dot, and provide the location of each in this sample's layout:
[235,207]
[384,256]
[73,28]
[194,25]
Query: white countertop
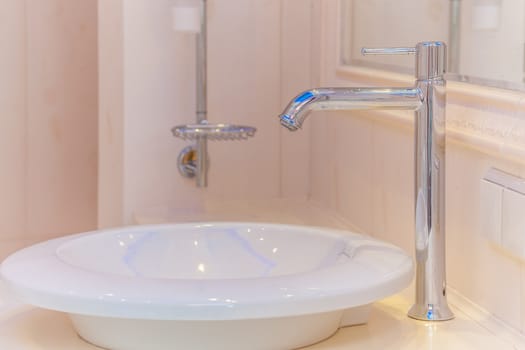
[390,328]
[26,328]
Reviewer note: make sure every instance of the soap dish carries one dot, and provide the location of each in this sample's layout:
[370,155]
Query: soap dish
[214,132]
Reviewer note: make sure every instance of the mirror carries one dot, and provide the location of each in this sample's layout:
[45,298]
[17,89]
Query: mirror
[485,38]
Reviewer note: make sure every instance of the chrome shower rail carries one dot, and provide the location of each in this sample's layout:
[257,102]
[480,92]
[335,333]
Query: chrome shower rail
[193,161]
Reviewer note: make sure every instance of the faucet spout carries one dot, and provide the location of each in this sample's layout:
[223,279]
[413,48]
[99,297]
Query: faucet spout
[427,99]
[348,98]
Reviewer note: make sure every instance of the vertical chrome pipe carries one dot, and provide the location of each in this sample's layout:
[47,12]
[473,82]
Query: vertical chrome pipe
[202,159]
[431,292]
[201,97]
[201,67]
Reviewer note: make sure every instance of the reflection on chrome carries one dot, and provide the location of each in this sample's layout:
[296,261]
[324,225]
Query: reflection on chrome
[427,99]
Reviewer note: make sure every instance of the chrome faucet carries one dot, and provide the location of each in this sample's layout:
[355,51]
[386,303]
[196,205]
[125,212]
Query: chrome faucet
[427,99]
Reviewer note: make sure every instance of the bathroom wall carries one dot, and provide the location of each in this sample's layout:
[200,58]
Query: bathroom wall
[12,134]
[48,108]
[258,57]
[367,175]
[261,54]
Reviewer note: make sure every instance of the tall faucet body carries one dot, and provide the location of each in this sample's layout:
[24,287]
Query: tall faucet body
[427,99]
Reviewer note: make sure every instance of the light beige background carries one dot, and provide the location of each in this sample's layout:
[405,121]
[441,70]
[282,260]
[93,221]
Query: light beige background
[261,53]
[48,112]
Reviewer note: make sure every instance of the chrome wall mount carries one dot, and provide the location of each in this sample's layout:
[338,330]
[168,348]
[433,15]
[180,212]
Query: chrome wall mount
[427,99]
[193,161]
[187,161]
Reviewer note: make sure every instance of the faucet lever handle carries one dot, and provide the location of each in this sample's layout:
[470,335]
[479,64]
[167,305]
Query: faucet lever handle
[388,51]
[431,57]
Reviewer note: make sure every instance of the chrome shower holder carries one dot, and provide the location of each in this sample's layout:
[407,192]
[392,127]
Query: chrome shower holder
[192,161]
[213,132]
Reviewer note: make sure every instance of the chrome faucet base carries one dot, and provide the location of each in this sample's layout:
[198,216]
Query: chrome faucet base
[431,312]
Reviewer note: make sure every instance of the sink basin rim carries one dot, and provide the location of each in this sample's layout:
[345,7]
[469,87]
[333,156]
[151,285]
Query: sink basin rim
[78,291]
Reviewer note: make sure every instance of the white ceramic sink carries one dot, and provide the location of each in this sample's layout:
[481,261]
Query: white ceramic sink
[209,285]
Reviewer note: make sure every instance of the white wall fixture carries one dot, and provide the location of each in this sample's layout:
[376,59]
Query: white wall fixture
[232,286]
[187,16]
[502,207]
[486,14]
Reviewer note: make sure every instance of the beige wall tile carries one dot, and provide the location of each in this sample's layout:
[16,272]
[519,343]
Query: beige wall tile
[522,299]
[110,175]
[61,116]
[244,81]
[475,267]
[48,101]
[323,162]
[158,93]
[485,128]
[393,184]
[297,43]
[13,118]
[353,154]
[373,176]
